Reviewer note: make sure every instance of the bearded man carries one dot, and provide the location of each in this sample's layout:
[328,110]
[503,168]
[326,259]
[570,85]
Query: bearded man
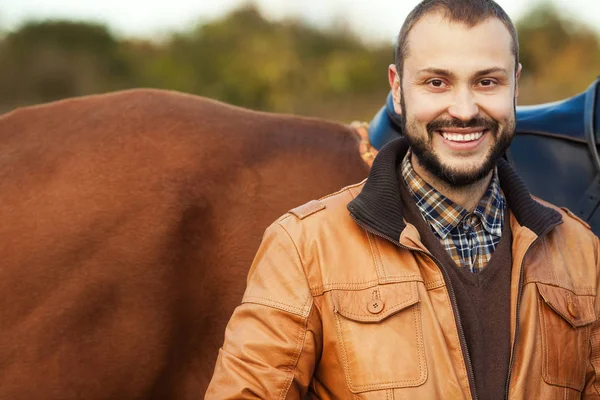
[440,276]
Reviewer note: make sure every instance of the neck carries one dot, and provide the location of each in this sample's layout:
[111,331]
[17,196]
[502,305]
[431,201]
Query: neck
[467,196]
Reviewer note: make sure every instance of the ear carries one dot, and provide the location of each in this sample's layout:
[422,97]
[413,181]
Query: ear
[394,80]
[517,76]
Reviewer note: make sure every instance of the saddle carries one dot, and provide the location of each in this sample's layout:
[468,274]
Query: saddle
[555,149]
[576,118]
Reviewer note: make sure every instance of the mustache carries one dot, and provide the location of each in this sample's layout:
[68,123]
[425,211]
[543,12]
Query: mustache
[477,122]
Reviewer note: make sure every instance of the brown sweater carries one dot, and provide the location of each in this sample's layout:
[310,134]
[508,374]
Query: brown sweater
[483,301]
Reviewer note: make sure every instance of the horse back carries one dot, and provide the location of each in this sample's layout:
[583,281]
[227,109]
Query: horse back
[129,223]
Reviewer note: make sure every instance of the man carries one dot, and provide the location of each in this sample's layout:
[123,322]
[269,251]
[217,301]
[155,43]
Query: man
[439,277]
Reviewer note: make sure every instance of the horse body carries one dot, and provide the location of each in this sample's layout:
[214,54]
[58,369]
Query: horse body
[129,222]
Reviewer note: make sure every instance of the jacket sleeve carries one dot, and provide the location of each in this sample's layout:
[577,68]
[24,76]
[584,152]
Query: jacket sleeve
[592,387]
[273,338]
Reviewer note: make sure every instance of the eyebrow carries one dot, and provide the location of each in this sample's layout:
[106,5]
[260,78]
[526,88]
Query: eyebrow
[492,70]
[437,71]
[449,74]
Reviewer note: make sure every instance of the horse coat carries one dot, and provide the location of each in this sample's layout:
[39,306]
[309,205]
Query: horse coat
[129,222]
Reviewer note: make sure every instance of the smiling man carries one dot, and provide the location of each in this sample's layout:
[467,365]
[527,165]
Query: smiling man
[440,276]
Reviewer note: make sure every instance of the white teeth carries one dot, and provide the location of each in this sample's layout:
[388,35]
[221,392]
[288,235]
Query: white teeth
[457,137]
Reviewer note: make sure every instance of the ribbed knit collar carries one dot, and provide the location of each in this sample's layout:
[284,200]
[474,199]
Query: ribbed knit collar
[379,207]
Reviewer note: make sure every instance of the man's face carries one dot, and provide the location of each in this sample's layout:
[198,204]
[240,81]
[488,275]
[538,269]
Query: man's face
[457,96]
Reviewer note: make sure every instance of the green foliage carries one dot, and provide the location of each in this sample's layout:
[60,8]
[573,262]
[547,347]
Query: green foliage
[50,60]
[560,56]
[242,59]
[278,66]
[245,59]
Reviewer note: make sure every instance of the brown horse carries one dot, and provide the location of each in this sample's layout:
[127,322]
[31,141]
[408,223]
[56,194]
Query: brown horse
[128,224]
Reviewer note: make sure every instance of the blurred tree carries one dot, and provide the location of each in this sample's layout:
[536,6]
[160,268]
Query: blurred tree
[247,60]
[286,66]
[50,60]
[560,56]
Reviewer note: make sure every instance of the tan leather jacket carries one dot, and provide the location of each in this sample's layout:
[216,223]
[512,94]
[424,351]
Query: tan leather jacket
[337,309]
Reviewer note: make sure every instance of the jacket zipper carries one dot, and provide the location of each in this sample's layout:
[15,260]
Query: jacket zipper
[461,333]
[519,293]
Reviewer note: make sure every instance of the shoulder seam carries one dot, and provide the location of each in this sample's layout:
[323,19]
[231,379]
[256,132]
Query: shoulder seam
[314,206]
[344,189]
[574,217]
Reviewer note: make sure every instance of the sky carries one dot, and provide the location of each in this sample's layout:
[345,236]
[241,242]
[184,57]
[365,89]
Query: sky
[375,20]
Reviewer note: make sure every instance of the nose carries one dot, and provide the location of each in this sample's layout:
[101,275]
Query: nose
[464,107]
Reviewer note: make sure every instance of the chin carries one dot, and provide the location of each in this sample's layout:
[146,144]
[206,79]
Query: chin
[466,176]
[465,166]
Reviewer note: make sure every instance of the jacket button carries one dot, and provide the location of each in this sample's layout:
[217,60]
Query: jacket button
[375,306]
[572,308]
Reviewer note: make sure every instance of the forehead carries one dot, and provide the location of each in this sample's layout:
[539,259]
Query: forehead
[435,41]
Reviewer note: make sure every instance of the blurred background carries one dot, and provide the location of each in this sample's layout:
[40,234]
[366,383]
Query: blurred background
[324,58]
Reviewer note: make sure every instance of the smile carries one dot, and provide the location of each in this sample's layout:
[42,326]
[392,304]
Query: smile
[462,137]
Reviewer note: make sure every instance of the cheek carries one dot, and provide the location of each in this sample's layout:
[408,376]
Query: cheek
[502,111]
[423,109]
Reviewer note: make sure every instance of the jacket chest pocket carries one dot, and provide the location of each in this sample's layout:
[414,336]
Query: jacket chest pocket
[565,320]
[380,337]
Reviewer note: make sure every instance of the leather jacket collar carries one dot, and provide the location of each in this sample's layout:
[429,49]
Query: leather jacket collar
[379,206]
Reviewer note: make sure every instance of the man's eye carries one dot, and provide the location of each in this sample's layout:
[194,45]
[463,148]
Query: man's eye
[487,82]
[438,83]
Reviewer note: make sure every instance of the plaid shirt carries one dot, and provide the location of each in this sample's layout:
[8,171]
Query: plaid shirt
[469,238]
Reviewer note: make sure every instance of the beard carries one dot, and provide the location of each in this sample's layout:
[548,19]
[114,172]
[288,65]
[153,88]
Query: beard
[422,149]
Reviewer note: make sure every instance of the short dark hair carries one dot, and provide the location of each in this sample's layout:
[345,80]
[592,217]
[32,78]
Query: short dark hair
[468,12]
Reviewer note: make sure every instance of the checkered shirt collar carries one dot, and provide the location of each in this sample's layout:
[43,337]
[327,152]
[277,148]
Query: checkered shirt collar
[443,214]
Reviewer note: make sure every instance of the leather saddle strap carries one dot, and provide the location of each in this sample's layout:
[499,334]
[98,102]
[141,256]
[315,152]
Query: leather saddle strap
[591,198]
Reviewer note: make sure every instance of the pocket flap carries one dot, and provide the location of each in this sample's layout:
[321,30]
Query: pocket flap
[577,310]
[377,303]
